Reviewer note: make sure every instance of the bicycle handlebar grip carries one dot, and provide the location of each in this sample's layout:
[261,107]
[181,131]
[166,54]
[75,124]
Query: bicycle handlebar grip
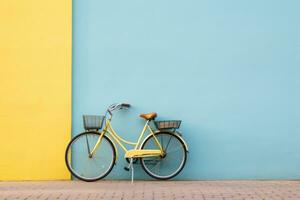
[126,105]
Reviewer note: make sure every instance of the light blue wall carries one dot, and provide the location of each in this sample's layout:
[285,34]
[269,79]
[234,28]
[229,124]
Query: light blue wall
[229,69]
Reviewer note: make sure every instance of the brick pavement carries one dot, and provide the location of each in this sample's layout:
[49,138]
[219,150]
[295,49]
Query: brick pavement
[149,190]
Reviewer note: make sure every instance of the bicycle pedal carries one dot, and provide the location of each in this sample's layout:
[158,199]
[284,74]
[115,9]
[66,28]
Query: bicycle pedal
[126,168]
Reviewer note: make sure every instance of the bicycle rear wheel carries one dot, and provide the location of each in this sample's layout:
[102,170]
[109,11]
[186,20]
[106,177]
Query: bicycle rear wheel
[169,165]
[86,167]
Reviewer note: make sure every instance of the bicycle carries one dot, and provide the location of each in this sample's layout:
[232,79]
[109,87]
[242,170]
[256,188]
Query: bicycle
[91,155]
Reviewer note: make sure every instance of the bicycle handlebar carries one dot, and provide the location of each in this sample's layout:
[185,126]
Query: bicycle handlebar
[117,106]
[125,105]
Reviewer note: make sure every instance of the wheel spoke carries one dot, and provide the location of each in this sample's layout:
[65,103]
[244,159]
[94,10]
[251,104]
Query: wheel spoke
[88,146]
[159,163]
[168,142]
[176,149]
[155,164]
[161,141]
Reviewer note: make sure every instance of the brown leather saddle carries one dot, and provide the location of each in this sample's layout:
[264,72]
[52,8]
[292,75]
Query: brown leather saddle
[148,116]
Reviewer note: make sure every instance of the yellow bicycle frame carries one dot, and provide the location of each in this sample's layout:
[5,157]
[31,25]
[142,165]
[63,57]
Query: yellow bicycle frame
[136,151]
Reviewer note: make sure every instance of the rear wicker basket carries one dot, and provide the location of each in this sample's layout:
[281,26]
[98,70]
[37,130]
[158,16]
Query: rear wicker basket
[91,122]
[167,124]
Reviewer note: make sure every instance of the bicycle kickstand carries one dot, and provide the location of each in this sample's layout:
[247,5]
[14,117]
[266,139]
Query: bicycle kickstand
[132,170]
[130,167]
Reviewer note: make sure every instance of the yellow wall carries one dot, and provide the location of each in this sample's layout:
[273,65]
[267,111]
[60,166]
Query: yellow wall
[35,88]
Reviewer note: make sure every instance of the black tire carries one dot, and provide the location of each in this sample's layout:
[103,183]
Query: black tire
[69,157]
[183,151]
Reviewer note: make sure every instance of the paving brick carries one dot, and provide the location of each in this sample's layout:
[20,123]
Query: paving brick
[151,190]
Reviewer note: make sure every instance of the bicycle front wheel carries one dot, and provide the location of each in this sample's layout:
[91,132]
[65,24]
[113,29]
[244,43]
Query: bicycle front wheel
[85,166]
[171,163]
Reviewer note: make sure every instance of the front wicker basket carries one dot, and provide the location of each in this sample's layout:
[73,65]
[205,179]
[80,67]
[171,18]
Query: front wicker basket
[91,122]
